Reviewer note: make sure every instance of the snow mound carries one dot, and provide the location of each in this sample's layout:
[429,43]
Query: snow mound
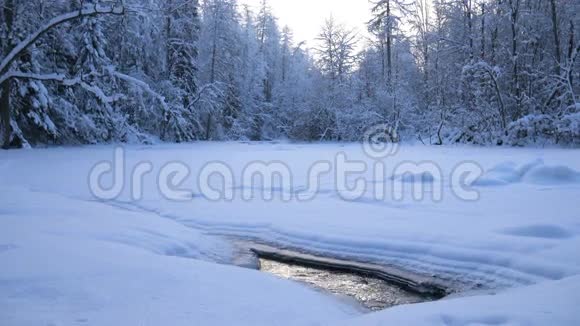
[539,231]
[551,175]
[536,172]
[424,177]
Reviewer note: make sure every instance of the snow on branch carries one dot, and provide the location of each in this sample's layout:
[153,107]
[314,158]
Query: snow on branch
[25,75]
[143,85]
[92,89]
[84,12]
[212,90]
[62,79]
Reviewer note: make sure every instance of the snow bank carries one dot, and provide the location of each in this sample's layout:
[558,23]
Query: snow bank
[535,172]
[70,262]
[552,303]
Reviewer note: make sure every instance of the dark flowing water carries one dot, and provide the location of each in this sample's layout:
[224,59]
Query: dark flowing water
[373,286]
[372,293]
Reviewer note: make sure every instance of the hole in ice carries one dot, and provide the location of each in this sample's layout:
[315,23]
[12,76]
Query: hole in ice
[373,287]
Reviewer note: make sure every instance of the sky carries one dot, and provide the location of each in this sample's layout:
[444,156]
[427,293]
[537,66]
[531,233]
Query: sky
[306,17]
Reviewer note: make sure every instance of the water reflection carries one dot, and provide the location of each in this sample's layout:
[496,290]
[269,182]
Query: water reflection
[374,294]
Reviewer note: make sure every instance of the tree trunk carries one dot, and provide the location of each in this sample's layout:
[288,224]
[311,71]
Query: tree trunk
[8,14]
[515,7]
[389,46]
[556,30]
[5,114]
[571,48]
[469,14]
[483,31]
[495,34]
[212,78]
[214,49]
[208,127]
[168,39]
[383,59]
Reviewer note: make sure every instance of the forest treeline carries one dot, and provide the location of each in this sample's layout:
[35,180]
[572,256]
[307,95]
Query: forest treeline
[491,72]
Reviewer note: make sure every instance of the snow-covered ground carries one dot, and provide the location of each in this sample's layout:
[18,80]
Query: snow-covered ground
[68,258]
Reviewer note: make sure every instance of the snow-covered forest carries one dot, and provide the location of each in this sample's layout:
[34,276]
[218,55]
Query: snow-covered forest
[492,72]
